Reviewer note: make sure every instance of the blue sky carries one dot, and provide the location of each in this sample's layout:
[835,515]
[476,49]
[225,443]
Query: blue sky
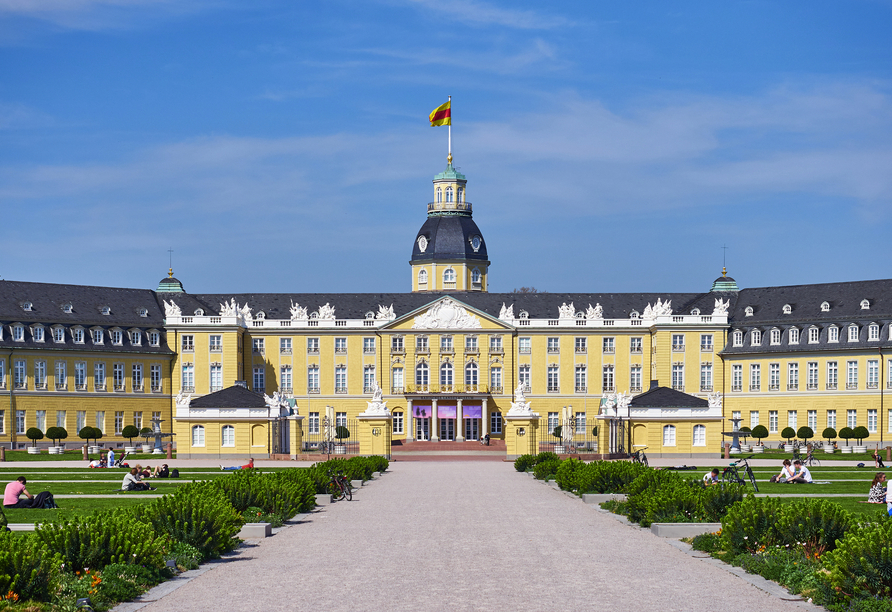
[284,146]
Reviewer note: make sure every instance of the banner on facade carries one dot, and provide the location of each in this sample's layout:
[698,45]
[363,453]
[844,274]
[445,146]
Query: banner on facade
[472,411]
[445,412]
[421,412]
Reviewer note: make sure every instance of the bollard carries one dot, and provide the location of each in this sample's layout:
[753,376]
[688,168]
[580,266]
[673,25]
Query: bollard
[889,453]
[170,450]
[2,453]
[727,450]
[84,450]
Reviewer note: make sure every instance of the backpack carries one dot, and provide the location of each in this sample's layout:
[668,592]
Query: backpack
[174,473]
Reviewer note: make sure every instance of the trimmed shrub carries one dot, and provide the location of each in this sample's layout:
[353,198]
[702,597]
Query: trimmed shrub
[715,500]
[27,568]
[860,432]
[546,456]
[675,502]
[805,432]
[524,462]
[642,489]
[829,434]
[546,469]
[846,434]
[789,433]
[749,525]
[812,524]
[34,435]
[130,432]
[760,432]
[565,476]
[56,433]
[605,476]
[341,432]
[862,562]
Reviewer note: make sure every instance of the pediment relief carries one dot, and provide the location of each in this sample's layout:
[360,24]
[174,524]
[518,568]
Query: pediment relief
[446,314]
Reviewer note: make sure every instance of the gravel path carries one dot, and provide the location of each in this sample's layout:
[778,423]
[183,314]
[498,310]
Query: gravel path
[463,536]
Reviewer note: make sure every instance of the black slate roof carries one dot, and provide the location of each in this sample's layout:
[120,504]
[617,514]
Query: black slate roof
[230,397]
[664,397]
[449,237]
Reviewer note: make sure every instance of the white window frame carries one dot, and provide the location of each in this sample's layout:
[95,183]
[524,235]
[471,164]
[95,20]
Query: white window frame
[853,333]
[756,337]
[699,435]
[833,334]
[814,335]
[793,336]
[227,436]
[669,437]
[198,436]
[775,336]
[495,379]
[772,421]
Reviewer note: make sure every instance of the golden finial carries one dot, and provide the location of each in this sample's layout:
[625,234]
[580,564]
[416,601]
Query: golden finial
[170,273]
[724,271]
[449,159]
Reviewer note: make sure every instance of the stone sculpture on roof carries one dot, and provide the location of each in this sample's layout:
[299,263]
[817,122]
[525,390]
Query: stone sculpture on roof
[520,406]
[298,312]
[608,404]
[183,399]
[244,314]
[566,312]
[385,313]
[659,309]
[376,407]
[594,313]
[721,307]
[622,402]
[229,309]
[507,312]
[715,399]
[326,311]
[171,309]
[277,404]
[446,314]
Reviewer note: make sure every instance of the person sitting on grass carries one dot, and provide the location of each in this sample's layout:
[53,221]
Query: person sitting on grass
[132,482]
[803,476]
[161,471]
[877,461]
[144,472]
[14,490]
[247,466]
[877,494]
[786,473]
[711,478]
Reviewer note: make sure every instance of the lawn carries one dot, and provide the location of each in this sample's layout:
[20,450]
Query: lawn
[71,508]
[76,454]
[866,458]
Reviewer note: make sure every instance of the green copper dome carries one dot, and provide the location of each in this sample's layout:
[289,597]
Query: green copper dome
[724,283]
[450,174]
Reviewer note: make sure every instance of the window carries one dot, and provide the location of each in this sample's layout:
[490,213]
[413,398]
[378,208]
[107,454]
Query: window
[313,423]
[525,345]
[136,376]
[471,344]
[608,345]
[40,375]
[678,376]
[775,336]
[737,338]
[853,333]
[100,420]
[40,420]
[755,377]
[20,421]
[699,435]
[259,379]
[397,422]
[77,335]
[154,338]
[215,343]
[396,378]
[341,346]
[216,372]
[553,421]
[228,435]
[18,333]
[368,346]
[852,418]
[188,378]
[523,376]
[831,418]
[794,335]
[580,344]
[136,338]
[812,375]
[476,277]
[421,344]
[813,335]
[495,379]
[873,373]
[422,375]
[772,421]
[61,419]
[471,377]
[669,435]
[873,332]
[137,419]
[607,378]
[449,276]
[80,419]
[61,376]
[773,376]
[554,345]
[118,376]
[754,418]
[188,343]
[792,376]
[825,306]
[872,420]
[635,345]
[58,334]
[37,332]
[706,342]
[445,375]
[313,379]
[755,337]
[119,422]
[851,375]
[198,435]
[449,194]
[368,378]
[495,422]
[117,338]
[812,419]
[340,419]
[98,377]
[581,379]
[258,345]
[748,311]
[495,344]
[705,377]
[832,334]
[635,378]
[396,344]
[2,374]
[446,344]
[422,277]
[155,378]
[832,374]
[341,379]
[580,423]
[791,418]
[737,378]
[678,343]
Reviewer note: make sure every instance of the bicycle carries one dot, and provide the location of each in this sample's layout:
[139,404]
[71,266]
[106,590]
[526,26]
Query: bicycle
[638,456]
[731,474]
[339,486]
[810,459]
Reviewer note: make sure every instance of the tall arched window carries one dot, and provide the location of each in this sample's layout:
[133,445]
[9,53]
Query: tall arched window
[198,435]
[446,374]
[669,435]
[422,277]
[228,435]
[439,195]
[449,194]
[461,195]
[475,276]
[448,275]
[471,374]
[421,374]
[699,435]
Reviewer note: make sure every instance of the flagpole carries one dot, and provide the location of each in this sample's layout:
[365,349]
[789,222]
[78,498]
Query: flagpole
[449,158]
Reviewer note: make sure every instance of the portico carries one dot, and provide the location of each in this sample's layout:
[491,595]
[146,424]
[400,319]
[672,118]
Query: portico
[448,417]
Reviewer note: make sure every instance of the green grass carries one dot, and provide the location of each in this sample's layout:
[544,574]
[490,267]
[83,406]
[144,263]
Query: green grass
[109,487]
[77,455]
[852,505]
[866,458]
[71,508]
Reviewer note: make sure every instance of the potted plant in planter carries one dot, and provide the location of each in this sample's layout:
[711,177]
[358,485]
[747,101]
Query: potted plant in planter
[859,433]
[830,435]
[130,432]
[34,435]
[595,435]
[805,433]
[557,433]
[744,447]
[759,432]
[846,434]
[341,433]
[146,432]
[789,433]
[55,434]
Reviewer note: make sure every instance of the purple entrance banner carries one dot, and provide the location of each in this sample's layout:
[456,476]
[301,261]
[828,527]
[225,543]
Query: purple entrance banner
[472,412]
[421,412]
[445,412]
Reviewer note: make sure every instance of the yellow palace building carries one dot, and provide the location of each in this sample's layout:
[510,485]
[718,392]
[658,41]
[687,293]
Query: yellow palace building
[239,375]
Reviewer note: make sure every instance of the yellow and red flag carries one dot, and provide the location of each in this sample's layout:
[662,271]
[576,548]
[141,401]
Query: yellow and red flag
[442,115]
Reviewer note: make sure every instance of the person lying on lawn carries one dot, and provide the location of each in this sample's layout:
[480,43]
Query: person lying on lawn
[247,466]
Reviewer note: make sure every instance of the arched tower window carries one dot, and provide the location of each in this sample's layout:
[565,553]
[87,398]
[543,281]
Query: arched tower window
[449,194]
[422,374]
[448,275]
[471,375]
[446,374]
[439,195]
[475,276]
[422,277]
[461,195]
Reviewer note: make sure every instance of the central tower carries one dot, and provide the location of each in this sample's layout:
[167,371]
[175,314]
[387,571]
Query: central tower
[449,253]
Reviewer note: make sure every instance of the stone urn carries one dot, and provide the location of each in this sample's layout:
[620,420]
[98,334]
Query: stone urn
[340,449]
[828,448]
[33,450]
[147,448]
[859,449]
[560,449]
[846,450]
[788,448]
[758,448]
[130,449]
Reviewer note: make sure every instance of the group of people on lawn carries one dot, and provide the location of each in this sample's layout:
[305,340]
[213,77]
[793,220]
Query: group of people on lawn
[791,473]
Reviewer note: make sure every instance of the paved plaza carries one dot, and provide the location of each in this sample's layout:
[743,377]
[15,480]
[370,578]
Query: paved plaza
[462,536]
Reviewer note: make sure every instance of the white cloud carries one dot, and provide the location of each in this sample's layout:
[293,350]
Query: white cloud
[477,13]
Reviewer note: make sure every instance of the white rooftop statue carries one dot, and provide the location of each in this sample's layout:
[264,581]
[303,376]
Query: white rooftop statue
[507,312]
[298,312]
[171,309]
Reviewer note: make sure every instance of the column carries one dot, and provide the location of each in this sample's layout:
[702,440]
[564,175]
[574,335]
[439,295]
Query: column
[435,424]
[484,420]
[460,422]
[410,421]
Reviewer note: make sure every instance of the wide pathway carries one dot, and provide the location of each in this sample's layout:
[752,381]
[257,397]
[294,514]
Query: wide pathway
[464,536]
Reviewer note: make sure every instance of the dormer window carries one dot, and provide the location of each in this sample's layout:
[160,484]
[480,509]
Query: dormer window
[755,338]
[873,332]
[97,336]
[748,311]
[737,338]
[58,334]
[865,305]
[853,333]
[825,307]
[199,312]
[136,337]
[261,315]
[775,336]
[695,312]
[832,334]
[794,335]
[634,314]
[18,333]
[369,315]
[67,308]
[154,338]
[813,335]
[27,306]
[524,314]
[77,334]
[143,312]
[788,309]
[105,310]
[37,333]
[117,338]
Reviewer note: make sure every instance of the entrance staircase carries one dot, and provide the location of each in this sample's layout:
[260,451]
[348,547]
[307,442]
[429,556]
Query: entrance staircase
[401,450]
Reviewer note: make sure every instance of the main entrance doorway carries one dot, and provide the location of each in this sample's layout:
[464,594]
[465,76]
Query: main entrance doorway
[423,429]
[447,429]
[472,429]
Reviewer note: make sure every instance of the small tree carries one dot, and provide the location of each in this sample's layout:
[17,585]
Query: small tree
[341,432]
[558,431]
[595,431]
[806,433]
[55,434]
[789,433]
[89,433]
[34,435]
[859,433]
[759,432]
[846,434]
[130,432]
[146,432]
[830,434]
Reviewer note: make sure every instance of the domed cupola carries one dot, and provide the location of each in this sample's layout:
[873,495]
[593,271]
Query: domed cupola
[170,284]
[724,282]
[449,252]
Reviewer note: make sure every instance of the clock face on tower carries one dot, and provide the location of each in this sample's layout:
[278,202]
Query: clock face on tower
[475,243]
[422,244]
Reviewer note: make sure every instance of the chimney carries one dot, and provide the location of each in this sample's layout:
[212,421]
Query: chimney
[654,384]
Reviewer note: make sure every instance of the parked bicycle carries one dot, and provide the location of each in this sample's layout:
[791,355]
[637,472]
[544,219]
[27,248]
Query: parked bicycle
[638,456]
[810,459]
[731,474]
[339,486]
